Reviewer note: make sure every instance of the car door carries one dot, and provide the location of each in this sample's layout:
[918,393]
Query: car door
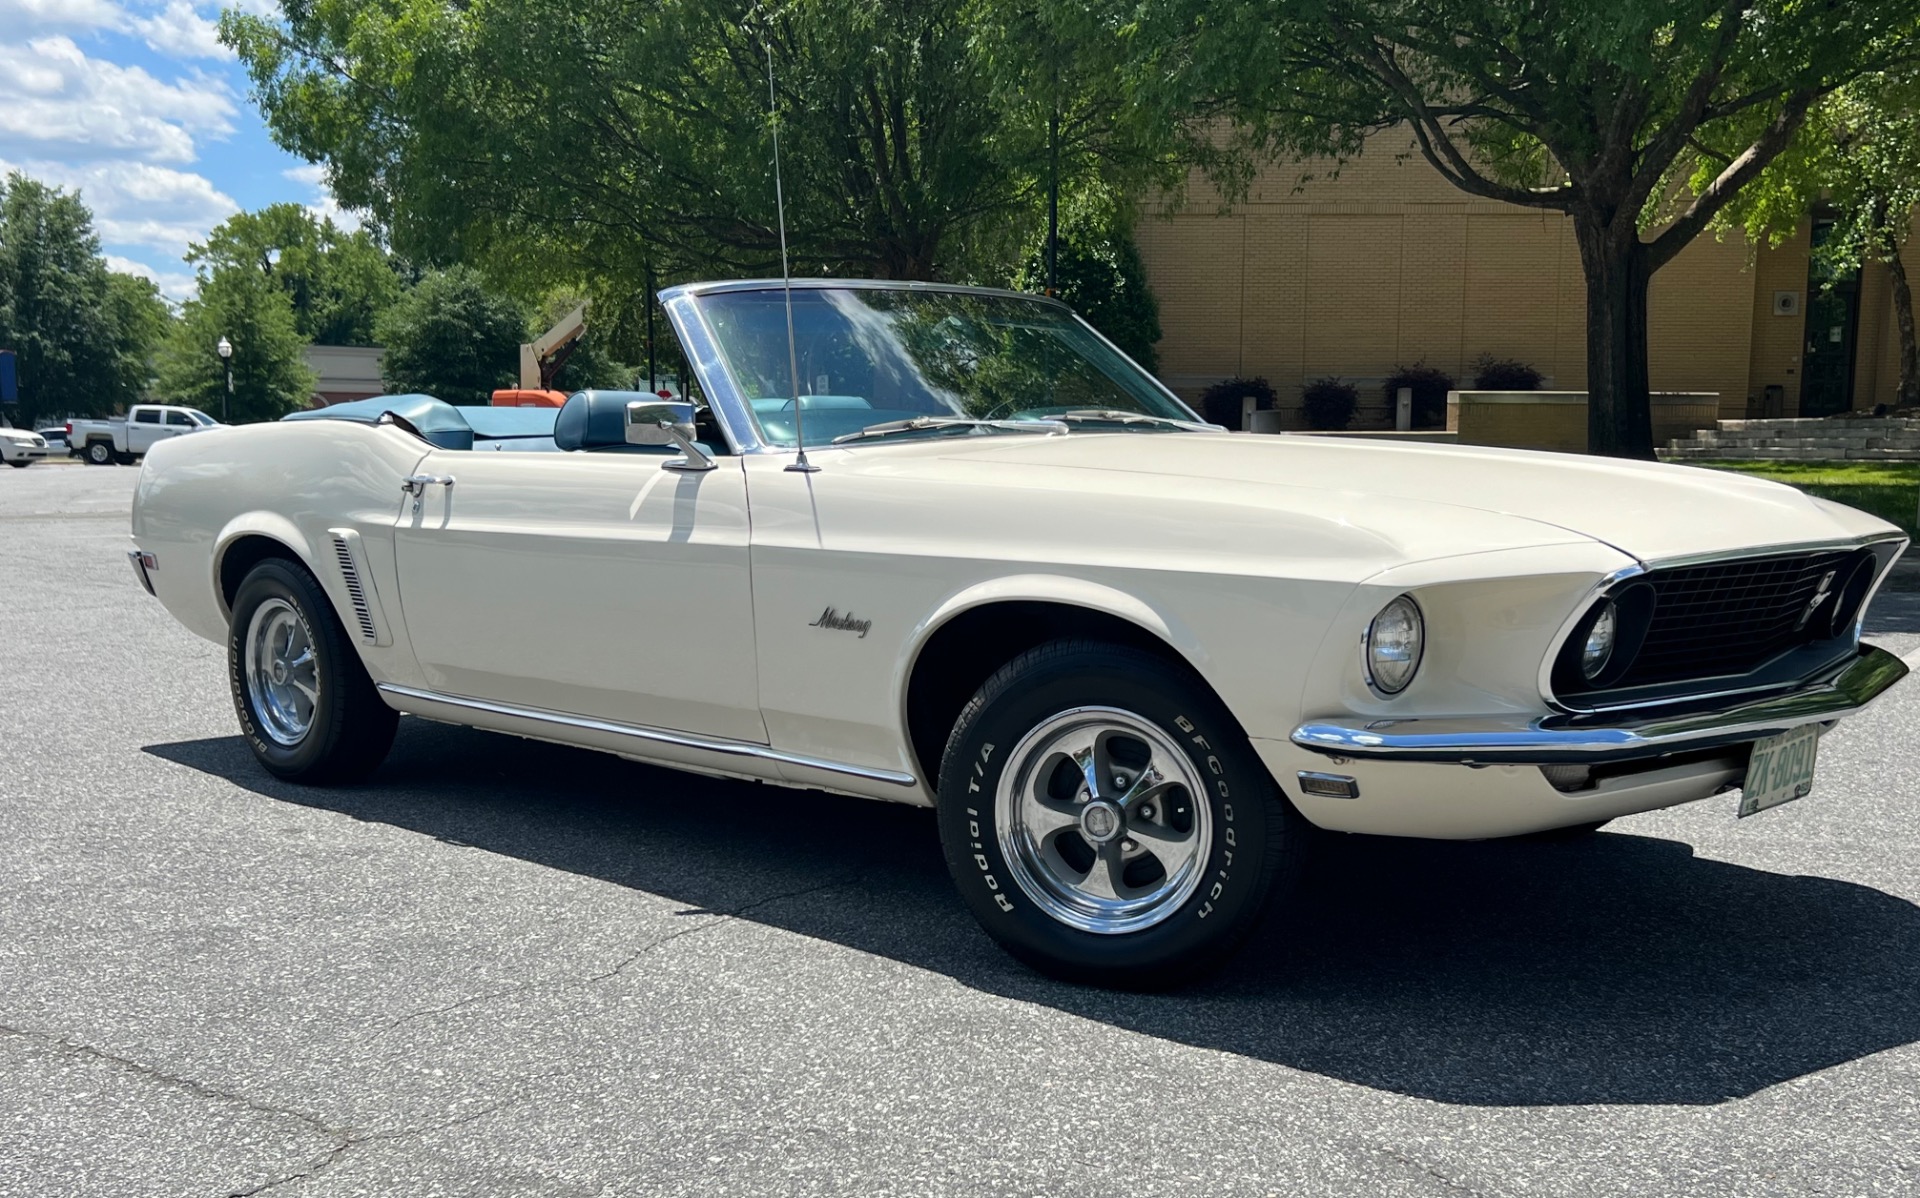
[143,429]
[592,584]
[178,423]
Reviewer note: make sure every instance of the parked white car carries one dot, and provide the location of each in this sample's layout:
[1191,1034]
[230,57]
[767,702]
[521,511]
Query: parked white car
[21,447]
[107,442]
[1128,657]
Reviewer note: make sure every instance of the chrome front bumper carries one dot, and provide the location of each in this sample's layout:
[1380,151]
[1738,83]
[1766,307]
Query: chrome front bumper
[1604,737]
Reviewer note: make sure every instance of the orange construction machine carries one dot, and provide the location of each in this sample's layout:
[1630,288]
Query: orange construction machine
[540,363]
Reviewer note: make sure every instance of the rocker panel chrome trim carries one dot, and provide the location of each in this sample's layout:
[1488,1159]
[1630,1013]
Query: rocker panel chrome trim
[684,740]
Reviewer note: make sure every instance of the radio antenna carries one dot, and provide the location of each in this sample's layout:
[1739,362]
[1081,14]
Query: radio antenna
[800,463]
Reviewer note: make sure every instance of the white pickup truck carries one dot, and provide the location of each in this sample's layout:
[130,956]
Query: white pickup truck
[106,442]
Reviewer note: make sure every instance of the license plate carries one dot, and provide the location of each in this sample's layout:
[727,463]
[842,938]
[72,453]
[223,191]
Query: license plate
[1781,770]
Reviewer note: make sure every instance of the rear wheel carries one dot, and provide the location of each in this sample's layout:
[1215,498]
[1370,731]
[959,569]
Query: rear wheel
[306,705]
[100,453]
[1106,820]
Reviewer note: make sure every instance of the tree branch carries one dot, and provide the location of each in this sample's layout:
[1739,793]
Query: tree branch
[1747,164]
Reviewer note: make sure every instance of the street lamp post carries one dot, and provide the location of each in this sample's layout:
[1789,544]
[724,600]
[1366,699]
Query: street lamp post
[226,356]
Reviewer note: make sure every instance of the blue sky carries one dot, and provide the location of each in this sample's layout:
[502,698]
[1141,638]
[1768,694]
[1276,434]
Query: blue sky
[136,104]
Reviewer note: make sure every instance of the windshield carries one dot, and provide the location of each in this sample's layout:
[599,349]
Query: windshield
[200,416]
[873,356]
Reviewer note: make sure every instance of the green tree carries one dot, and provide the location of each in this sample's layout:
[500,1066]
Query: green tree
[339,282]
[1859,156]
[453,338]
[138,321]
[83,336]
[1598,109]
[1099,274]
[270,372]
[618,135]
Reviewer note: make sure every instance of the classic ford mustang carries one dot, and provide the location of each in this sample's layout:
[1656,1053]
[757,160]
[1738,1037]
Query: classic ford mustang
[947,546]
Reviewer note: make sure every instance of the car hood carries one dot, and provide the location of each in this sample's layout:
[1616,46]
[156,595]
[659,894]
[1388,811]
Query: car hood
[1648,510]
[20,435]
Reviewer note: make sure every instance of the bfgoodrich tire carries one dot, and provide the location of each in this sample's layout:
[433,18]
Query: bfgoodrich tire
[1106,820]
[306,705]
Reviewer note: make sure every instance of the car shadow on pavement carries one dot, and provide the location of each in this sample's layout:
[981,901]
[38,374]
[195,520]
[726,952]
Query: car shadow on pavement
[1610,969]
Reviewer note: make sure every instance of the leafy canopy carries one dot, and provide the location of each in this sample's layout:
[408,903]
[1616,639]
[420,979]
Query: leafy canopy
[452,338]
[83,336]
[270,372]
[339,282]
[557,139]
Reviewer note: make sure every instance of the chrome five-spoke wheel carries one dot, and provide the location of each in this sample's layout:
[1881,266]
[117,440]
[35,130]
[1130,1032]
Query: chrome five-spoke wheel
[283,677]
[1102,820]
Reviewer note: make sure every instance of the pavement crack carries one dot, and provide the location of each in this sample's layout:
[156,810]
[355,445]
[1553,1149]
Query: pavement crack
[192,1086]
[355,1140]
[718,919]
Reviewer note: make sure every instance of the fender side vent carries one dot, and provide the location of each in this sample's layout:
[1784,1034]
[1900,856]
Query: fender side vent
[366,615]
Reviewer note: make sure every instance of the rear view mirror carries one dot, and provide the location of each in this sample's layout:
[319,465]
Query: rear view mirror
[667,423]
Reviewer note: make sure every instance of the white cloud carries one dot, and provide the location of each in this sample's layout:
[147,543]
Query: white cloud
[54,99]
[323,206]
[20,17]
[180,30]
[176,286]
[137,204]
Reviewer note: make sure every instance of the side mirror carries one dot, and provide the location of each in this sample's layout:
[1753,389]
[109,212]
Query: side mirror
[667,423]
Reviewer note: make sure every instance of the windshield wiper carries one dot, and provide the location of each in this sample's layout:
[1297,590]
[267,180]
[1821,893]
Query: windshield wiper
[924,423]
[1115,416]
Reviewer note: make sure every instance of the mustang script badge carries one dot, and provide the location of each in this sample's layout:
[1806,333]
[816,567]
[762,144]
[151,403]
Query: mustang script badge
[839,623]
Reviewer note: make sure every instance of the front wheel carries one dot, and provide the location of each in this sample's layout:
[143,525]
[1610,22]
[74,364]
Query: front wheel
[1106,820]
[306,705]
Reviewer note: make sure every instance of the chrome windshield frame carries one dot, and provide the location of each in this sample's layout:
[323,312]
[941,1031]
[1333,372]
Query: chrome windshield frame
[727,399]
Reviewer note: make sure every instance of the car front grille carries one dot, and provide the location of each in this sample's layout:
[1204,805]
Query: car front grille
[1730,617]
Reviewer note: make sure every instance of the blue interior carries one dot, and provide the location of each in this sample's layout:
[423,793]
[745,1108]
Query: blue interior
[448,427]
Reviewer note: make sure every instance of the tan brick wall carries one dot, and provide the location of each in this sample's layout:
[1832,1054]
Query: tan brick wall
[1876,376]
[1777,340]
[1558,420]
[1387,264]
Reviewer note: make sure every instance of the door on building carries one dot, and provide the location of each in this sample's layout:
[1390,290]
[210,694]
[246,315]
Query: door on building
[1833,319]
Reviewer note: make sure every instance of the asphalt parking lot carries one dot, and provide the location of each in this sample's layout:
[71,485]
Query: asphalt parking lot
[505,968]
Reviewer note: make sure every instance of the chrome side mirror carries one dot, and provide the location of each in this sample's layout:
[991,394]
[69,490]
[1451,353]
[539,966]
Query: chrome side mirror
[667,423]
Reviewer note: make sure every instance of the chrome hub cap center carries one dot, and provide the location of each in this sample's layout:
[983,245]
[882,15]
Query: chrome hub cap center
[1100,821]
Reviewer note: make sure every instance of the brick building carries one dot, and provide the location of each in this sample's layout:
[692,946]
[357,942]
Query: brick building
[1388,264]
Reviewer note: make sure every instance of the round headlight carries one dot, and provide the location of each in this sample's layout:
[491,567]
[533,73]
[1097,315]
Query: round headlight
[1395,641]
[1598,651]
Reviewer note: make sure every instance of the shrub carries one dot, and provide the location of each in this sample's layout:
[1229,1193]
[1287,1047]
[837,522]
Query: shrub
[1222,402]
[1504,374]
[1329,403]
[1430,386]
[1100,275]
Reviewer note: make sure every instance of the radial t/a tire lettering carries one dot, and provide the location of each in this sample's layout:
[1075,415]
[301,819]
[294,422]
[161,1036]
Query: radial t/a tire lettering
[306,705]
[1105,819]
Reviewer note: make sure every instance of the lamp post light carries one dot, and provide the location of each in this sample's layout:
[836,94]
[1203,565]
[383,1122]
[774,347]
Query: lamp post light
[226,357]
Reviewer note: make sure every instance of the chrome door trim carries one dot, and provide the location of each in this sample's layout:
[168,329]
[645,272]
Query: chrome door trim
[710,370]
[684,740]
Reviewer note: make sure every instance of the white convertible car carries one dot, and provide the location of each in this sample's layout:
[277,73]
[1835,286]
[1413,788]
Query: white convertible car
[1127,656]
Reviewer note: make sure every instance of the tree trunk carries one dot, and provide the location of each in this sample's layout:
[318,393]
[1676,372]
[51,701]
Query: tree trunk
[1619,406]
[1909,393]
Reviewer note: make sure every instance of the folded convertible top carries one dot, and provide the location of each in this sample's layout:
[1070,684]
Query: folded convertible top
[447,426]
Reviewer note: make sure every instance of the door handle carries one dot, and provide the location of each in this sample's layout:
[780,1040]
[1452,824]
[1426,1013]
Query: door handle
[417,484]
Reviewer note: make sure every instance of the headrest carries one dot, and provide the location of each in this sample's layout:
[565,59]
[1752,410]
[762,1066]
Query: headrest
[594,419]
